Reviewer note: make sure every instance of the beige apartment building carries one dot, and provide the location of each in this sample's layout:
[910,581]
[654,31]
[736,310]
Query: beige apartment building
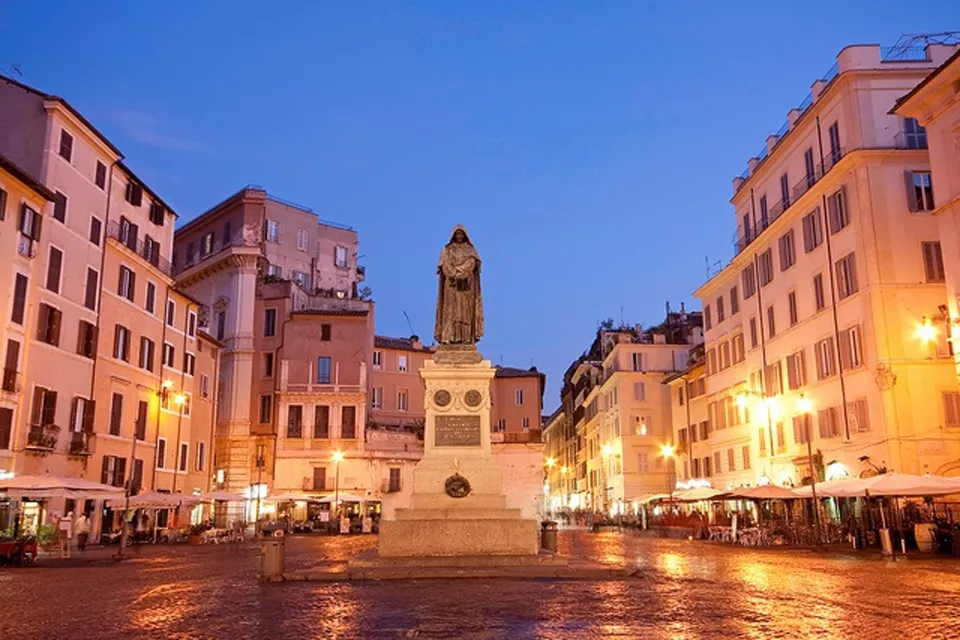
[93,312]
[934,105]
[812,328]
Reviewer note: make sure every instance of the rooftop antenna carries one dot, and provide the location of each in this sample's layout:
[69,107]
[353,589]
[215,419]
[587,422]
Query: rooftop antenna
[410,324]
[15,70]
[621,315]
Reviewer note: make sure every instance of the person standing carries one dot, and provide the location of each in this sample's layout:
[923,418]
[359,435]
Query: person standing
[65,529]
[82,528]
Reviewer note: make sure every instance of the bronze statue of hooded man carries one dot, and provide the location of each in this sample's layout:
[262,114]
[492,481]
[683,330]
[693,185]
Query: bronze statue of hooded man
[459,303]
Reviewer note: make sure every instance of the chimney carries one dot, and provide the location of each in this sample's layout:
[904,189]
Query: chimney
[682,310]
[415,340]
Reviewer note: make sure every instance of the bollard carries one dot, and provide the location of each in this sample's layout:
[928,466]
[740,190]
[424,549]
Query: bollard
[886,542]
[272,558]
[548,535]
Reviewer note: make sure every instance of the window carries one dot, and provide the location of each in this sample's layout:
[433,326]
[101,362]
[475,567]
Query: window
[54,266]
[919,191]
[204,386]
[128,283]
[781,437]
[846,268]
[171,312]
[809,167]
[749,280]
[402,400]
[201,456]
[270,322]
[792,307]
[518,397]
[739,353]
[340,257]
[272,231]
[753,333]
[161,453]
[731,464]
[295,421]
[151,251]
[376,395]
[319,478]
[321,421]
[206,244]
[66,145]
[858,420]
[812,231]
[221,324]
[189,363]
[707,318]
[150,301]
[268,364]
[638,361]
[826,365]
[734,301]
[60,207]
[913,136]
[184,456]
[116,414]
[643,462]
[772,377]
[301,278]
[140,426]
[787,250]
[191,324]
[19,299]
[113,471]
[30,224]
[761,442]
[764,214]
[169,354]
[393,485]
[771,324]
[932,261]
[951,408]
[765,267]
[724,355]
[10,367]
[639,391]
[851,348]
[796,371]
[828,423]
[348,422]
[746,457]
[680,399]
[711,361]
[266,408]
[92,289]
[274,271]
[48,325]
[302,240]
[818,295]
[146,353]
[87,340]
[401,363]
[121,343]
[801,429]
[834,134]
[837,210]
[325,332]
[323,370]
[378,359]
[134,194]
[44,409]
[100,177]
[747,229]
[716,462]
[227,234]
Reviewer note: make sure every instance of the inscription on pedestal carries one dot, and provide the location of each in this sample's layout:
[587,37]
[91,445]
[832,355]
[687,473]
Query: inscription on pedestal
[457,431]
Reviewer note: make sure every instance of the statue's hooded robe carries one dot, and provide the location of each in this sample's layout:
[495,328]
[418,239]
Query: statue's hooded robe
[459,303]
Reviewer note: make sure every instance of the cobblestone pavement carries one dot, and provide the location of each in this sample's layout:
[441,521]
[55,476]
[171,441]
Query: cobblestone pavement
[684,590]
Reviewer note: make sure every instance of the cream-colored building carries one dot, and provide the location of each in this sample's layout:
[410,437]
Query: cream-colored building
[812,328]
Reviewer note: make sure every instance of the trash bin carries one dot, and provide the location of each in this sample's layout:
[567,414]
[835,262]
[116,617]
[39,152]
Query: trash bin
[272,558]
[548,535]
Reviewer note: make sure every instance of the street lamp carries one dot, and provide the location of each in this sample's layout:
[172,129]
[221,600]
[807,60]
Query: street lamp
[261,461]
[180,400]
[337,458]
[926,332]
[805,407]
[605,452]
[669,452]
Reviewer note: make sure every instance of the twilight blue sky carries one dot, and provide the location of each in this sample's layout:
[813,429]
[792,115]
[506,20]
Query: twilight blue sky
[587,146]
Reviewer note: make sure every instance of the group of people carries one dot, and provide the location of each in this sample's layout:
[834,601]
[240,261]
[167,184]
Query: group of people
[69,526]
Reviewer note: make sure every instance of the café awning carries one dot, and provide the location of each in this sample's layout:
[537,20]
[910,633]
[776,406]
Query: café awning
[50,486]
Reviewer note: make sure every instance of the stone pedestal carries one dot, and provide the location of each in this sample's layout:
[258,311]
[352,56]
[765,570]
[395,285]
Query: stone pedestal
[458,507]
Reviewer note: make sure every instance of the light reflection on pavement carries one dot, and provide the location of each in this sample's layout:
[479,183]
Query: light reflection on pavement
[683,590]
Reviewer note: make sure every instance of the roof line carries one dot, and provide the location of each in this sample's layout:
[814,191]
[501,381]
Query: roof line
[923,83]
[24,177]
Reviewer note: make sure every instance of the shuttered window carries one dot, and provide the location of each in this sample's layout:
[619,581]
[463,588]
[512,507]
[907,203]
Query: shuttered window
[826,365]
[796,371]
[951,408]
[932,261]
[846,268]
[812,231]
[857,417]
[828,422]
[837,210]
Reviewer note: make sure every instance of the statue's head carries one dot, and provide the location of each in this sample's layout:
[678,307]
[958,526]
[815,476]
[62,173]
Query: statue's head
[460,235]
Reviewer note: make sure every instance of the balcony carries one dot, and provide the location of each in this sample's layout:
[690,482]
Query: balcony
[26,246]
[742,241]
[300,376]
[242,238]
[43,438]
[910,140]
[80,445]
[149,252]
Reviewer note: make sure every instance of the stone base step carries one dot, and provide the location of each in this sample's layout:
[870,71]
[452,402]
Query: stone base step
[541,559]
[457,514]
[472,501]
[430,538]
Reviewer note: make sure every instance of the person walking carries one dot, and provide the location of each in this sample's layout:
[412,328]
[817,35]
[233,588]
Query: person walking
[82,528]
[65,530]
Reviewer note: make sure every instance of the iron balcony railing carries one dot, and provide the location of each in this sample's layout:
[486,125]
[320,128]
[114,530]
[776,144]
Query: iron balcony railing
[219,244]
[910,140]
[43,437]
[148,251]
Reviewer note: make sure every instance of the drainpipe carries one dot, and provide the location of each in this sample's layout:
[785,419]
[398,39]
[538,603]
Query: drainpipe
[103,260]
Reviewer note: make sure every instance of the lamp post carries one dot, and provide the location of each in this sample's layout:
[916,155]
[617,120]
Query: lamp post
[180,400]
[605,452]
[549,463]
[805,406]
[261,453]
[669,452]
[337,458]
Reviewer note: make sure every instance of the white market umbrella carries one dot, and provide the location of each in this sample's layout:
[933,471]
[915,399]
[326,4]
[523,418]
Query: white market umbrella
[902,484]
[156,500]
[654,497]
[343,497]
[828,489]
[48,486]
[289,497]
[698,494]
[769,492]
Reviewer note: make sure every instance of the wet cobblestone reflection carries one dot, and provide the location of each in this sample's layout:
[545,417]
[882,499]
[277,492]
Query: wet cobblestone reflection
[684,590]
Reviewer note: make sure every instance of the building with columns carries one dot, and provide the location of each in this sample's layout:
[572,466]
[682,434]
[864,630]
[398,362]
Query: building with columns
[818,359]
